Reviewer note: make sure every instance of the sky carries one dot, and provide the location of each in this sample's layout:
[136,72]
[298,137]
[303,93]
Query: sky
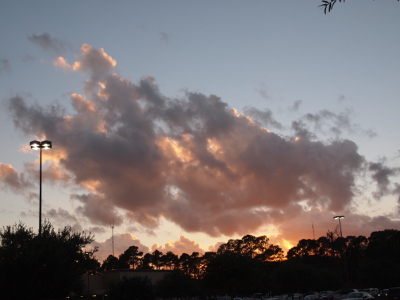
[178,125]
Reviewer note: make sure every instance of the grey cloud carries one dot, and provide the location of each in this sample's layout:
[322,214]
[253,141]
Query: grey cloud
[95,209]
[397,193]
[381,174]
[97,229]
[28,58]
[4,65]
[301,130]
[192,160]
[61,214]
[63,218]
[48,43]
[262,91]
[34,119]
[11,180]
[133,228]
[164,36]
[265,117]
[327,122]
[296,106]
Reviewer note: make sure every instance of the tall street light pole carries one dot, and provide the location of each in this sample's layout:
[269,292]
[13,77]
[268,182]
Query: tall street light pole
[340,224]
[36,145]
[343,255]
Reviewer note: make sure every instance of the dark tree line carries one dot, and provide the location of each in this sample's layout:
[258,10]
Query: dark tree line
[251,264]
[50,265]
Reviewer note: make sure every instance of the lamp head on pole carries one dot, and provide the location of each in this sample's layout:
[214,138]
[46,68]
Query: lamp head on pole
[338,217]
[36,145]
[46,145]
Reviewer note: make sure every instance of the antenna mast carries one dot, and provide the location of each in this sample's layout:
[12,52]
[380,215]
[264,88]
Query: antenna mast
[313,232]
[112,236]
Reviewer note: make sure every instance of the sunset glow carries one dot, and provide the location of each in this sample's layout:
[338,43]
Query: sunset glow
[190,127]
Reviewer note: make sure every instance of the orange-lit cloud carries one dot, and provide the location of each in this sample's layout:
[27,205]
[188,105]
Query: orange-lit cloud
[183,245]
[122,241]
[196,162]
[61,62]
[10,179]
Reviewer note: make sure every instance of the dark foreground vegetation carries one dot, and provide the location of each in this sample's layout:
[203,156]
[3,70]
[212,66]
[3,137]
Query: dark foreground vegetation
[51,265]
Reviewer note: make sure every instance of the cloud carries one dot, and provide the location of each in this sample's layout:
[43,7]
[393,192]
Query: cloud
[397,192]
[164,36]
[381,175]
[183,245]
[61,217]
[331,124]
[4,65]
[97,209]
[48,43]
[95,62]
[263,117]
[61,62]
[142,156]
[121,242]
[296,106]
[11,180]
[28,58]
[263,92]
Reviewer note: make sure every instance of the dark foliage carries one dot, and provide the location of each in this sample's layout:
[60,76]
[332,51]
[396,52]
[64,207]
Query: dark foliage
[177,285]
[110,263]
[43,266]
[302,275]
[327,5]
[244,266]
[50,265]
[131,289]
[235,274]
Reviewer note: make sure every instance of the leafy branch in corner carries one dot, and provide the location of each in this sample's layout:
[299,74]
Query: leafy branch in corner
[328,5]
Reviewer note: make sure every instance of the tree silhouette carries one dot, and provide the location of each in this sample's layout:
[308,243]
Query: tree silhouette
[384,243]
[130,258]
[146,261]
[251,246]
[110,263]
[169,260]
[156,260]
[43,266]
[251,264]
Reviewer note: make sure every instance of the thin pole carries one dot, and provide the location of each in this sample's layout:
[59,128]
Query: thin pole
[112,236]
[40,194]
[344,255]
[313,232]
